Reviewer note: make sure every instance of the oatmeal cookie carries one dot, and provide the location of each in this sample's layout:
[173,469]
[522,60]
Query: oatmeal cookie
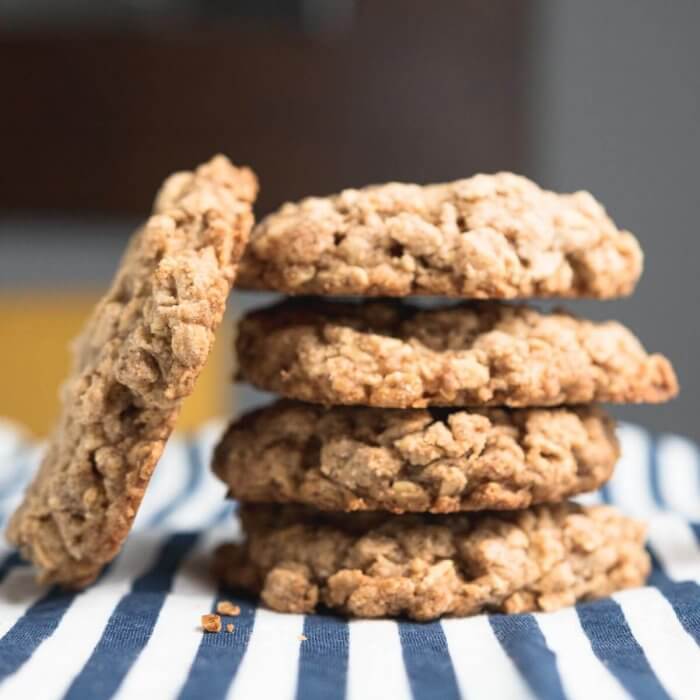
[489,236]
[136,360]
[395,355]
[426,566]
[439,460]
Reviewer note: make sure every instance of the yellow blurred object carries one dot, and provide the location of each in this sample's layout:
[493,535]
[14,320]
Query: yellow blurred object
[34,359]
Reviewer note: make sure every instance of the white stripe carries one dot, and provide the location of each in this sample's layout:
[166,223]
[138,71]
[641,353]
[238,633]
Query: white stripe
[589,499]
[273,646]
[582,674]
[9,506]
[630,485]
[209,498]
[169,478]
[673,654]
[375,665]
[675,545]
[207,438]
[482,668]
[679,475]
[28,458]
[81,627]
[164,664]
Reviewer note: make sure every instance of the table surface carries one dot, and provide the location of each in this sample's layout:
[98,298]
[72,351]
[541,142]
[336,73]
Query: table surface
[136,631]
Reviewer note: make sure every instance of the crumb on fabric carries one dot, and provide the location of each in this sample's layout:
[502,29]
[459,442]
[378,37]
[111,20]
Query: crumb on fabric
[302,637]
[229,628]
[211,623]
[226,607]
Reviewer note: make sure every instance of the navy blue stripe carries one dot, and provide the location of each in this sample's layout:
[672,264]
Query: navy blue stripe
[219,656]
[654,480]
[9,562]
[683,597]
[427,660]
[695,527]
[323,658]
[523,641]
[614,644]
[37,624]
[131,624]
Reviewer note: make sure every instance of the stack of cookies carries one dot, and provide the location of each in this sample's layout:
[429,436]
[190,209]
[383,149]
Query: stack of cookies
[421,458]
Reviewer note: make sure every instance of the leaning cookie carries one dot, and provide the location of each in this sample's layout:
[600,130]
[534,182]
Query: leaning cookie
[137,358]
[426,566]
[475,354]
[486,237]
[355,458]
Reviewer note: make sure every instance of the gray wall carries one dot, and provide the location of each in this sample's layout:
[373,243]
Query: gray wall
[615,108]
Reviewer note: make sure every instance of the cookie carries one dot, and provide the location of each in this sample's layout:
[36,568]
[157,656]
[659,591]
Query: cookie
[486,237]
[426,566]
[474,354]
[355,458]
[136,360]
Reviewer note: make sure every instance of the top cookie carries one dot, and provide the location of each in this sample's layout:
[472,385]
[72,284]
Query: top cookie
[137,358]
[395,355]
[489,236]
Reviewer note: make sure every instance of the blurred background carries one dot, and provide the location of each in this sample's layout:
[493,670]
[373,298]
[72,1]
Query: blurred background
[100,100]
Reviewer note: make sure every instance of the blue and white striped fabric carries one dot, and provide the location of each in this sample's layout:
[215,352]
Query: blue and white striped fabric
[134,634]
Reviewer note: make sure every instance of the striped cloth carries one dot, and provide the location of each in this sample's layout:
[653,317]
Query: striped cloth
[135,633]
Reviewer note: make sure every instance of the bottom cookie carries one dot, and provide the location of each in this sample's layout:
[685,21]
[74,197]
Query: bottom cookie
[425,566]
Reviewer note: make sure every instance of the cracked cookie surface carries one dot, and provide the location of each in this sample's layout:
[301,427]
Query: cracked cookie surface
[355,458]
[138,356]
[395,355]
[489,236]
[426,566]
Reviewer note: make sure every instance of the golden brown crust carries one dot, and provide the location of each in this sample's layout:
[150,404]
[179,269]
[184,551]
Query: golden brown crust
[357,458]
[137,358]
[486,237]
[423,566]
[475,354]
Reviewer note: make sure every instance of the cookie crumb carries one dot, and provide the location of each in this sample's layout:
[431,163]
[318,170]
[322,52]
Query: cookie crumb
[302,637]
[211,623]
[226,607]
[229,627]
